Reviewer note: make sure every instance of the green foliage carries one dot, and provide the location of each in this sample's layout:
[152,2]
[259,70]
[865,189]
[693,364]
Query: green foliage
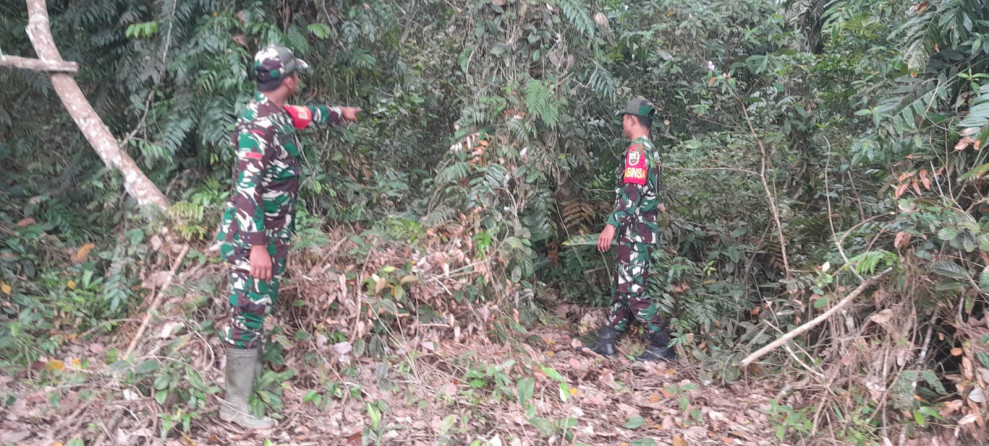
[578,17]
[496,377]
[786,420]
[540,102]
[97,287]
[267,397]
[496,122]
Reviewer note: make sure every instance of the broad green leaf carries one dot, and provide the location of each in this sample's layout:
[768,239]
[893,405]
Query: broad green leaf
[312,394]
[545,427]
[161,382]
[947,233]
[634,422]
[530,409]
[448,423]
[552,373]
[983,358]
[564,392]
[374,413]
[950,270]
[526,387]
[567,423]
[919,418]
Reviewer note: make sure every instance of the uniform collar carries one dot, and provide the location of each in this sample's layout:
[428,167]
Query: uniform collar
[265,104]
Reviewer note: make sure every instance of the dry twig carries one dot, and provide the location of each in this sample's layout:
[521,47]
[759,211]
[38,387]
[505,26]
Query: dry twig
[156,300]
[817,320]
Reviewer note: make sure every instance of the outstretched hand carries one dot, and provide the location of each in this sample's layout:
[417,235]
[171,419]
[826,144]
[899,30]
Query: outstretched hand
[349,113]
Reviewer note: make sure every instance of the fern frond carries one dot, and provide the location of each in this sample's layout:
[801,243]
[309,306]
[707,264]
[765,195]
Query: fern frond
[577,14]
[453,173]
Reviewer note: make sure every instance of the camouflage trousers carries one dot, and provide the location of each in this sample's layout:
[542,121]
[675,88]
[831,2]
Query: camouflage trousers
[250,299]
[628,289]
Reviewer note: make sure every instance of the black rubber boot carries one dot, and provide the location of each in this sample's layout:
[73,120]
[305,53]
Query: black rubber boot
[605,344]
[659,349]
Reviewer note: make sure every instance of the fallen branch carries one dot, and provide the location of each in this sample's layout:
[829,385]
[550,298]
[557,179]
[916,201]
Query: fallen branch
[155,300]
[817,320]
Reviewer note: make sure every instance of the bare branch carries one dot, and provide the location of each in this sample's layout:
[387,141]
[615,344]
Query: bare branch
[28,63]
[817,320]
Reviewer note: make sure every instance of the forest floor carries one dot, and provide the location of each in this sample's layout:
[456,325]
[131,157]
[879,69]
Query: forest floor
[451,393]
[435,383]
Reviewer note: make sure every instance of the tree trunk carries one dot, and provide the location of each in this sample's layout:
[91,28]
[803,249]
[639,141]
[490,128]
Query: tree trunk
[135,182]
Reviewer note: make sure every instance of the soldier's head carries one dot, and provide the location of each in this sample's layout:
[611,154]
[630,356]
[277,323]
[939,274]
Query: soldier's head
[637,116]
[277,70]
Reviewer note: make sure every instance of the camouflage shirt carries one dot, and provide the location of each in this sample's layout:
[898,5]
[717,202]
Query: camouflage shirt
[266,174]
[637,190]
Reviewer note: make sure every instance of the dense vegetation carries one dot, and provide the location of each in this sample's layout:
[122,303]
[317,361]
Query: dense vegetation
[808,144]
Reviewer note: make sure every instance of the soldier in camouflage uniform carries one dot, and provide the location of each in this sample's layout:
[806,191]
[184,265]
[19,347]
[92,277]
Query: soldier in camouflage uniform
[259,220]
[634,220]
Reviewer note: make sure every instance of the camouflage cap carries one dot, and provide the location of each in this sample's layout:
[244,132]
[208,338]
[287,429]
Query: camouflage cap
[273,64]
[638,106]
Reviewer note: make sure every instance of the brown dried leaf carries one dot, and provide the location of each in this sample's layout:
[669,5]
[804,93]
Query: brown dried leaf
[83,252]
[882,317]
[679,441]
[608,379]
[902,239]
[576,365]
[925,179]
[242,16]
[950,407]
[681,287]
[901,189]
[963,143]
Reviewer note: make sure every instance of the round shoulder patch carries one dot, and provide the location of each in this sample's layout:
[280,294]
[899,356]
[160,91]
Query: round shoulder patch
[633,157]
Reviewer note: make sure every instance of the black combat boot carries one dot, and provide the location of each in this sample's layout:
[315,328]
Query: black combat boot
[659,349]
[605,344]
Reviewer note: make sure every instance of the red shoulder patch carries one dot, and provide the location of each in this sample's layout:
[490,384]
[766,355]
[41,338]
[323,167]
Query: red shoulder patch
[635,165]
[301,117]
